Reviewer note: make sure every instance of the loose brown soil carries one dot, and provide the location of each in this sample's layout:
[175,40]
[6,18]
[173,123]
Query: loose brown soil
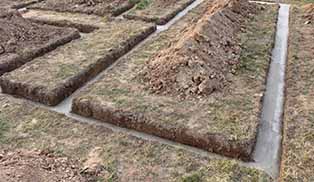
[5,12]
[198,63]
[98,153]
[22,40]
[98,7]
[224,123]
[158,11]
[298,151]
[41,166]
[54,76]
[309,12]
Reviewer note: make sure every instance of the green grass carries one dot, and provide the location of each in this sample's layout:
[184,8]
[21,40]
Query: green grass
[112,92]
[67,70]
[133,1]
[4,128]
[195,177]
[142,4]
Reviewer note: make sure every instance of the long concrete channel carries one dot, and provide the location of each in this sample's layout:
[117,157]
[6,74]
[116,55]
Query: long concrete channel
[268,146]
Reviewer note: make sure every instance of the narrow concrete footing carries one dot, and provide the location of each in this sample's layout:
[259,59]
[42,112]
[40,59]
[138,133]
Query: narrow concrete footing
[268,147]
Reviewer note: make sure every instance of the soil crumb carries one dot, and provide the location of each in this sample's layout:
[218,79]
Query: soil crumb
[309,11]
[43,166]
[4,12]
[18,34]
[199,60]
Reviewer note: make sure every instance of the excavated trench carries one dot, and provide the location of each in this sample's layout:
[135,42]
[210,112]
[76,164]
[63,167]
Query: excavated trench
[268,146]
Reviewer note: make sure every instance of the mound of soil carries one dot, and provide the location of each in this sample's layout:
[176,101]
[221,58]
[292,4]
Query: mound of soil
[17,33]
[198,62]
[98,7]
[309,11]
[43,166]
[22,40]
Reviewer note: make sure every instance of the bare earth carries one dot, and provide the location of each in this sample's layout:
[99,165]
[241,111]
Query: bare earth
[22,40]
[199,83]
[38,166]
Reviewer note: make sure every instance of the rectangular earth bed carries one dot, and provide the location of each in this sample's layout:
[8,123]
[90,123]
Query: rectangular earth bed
[114,155]
[224,122]
[51,78]
[158,11]
[101,8]
[23,40]
[84,23]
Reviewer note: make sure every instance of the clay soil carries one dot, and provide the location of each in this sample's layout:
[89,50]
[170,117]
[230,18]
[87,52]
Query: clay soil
[98,7]
[22,40]
[158,11]
[54,76]
[224,122]
[298,152]
[309,12]
[199,61]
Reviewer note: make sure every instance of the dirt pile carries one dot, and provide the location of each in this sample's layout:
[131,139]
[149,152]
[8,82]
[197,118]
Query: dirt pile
[22,40]
[17,33]
[42,166]
[309,11]
[201,57]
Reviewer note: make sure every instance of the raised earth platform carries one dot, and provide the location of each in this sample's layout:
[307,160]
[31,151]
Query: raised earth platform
[158,11]
[22,40]
[225,122]
[93,150]
[51,78]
